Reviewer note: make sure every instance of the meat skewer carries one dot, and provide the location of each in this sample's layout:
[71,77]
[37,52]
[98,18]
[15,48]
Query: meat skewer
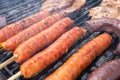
[46,57]
[16,27]
[107,71]
[72,68]
[13,42]
[37,42]
[105,24]
[16,40]
[12,29]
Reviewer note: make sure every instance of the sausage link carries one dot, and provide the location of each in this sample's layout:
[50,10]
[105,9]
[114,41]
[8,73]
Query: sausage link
[46,57]
[16,27]
[105,24]
[29,47]
[81,59]
[16,40]
[107,71]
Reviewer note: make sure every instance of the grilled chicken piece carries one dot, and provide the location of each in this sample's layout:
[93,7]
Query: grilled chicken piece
[63,6]
[57,4]
[77,4]
[108,8]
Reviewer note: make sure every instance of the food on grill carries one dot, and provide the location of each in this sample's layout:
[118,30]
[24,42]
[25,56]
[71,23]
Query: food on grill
[46,57]
[108,8]
[64,6]
[39,41]
[81,59]
[16,27]
[109,24]
[77,4]
[107,71]
[2,21]
[27,48]
[103,15]
[13,42]
[105,24]
[57,4]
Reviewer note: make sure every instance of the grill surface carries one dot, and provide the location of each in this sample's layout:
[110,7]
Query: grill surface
[15,10]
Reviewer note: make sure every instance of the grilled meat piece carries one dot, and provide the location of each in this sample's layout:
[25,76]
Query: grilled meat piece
[105,24]
[63,6]
[108,71]
[108,12]
[57,4]
[108,8]
[77,4]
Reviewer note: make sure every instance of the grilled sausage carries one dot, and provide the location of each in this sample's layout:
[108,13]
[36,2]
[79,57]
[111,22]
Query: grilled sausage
[105,24]
[29,47]
[16,40]
[81,59]
[107,71]
[46,57]
[16,27]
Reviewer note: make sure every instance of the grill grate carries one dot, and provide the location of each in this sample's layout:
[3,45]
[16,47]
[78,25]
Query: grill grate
[15,10]
[18,9]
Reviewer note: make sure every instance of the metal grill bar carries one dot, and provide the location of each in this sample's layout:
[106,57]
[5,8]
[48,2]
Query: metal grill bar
[8,3]
[18,5]
[24,12]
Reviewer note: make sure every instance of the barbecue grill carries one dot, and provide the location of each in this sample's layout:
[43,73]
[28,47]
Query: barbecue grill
[15,10]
